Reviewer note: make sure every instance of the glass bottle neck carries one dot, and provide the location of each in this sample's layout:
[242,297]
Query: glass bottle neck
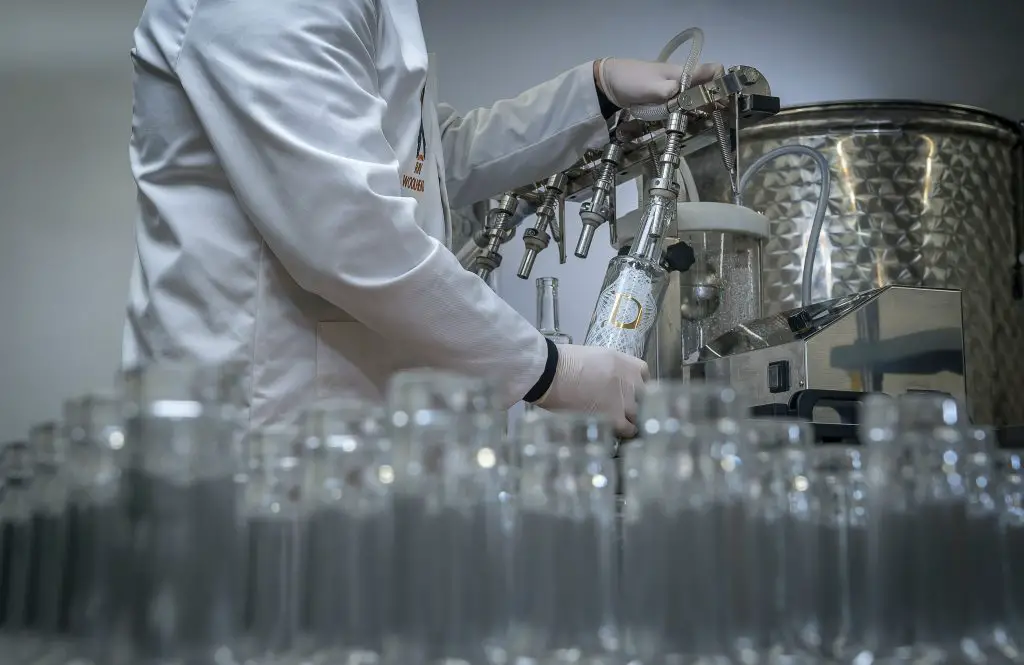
[658,216]
[547,305]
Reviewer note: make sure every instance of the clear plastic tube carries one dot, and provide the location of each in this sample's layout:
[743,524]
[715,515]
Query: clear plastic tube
[819,212]
[655,112]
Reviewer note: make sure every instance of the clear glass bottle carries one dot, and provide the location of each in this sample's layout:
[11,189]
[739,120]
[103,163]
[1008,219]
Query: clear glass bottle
[777,552]
[634,286]
[547,311]
[50,538]
[452,522]
[844,578]
[350,565]
[275,509]
[683,488]
[564,554]
[17,471]
[890,563]
[1010,493]
[184,503]
[102,537]
[935,428]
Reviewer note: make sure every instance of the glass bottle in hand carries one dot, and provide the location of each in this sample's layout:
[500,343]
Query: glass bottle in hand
[547,311]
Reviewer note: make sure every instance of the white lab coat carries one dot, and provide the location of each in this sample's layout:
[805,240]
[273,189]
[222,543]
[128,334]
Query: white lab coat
[284,224]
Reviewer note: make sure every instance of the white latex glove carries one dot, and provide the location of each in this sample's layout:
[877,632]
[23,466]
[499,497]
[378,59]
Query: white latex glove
[629,83]
[591,379]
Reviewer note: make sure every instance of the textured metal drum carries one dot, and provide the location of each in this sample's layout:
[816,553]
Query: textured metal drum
[922,194]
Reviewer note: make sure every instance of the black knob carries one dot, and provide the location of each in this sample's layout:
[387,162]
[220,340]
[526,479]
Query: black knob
[678,257]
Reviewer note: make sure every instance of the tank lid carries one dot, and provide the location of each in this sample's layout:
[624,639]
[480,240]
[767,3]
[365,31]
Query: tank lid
[898,104]
[946,111]
[695,217]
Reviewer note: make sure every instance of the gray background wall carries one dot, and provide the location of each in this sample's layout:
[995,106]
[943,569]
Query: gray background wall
[67,200]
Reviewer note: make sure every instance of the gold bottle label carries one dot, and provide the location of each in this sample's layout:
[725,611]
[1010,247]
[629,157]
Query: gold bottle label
[626,310]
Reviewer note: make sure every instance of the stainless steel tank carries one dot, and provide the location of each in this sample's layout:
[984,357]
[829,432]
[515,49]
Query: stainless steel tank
[922,195]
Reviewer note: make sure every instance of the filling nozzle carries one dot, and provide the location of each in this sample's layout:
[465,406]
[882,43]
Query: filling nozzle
[499,230]
[663,192]
[601,207]
[537,238]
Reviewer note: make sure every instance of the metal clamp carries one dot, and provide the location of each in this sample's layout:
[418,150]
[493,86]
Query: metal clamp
[638,148]
[549,216]
[601,207]
[497,231]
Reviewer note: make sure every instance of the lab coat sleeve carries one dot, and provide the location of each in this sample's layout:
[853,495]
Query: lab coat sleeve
[287,94]
[522,140]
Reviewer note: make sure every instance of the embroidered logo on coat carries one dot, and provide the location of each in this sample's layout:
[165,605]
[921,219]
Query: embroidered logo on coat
[414,181]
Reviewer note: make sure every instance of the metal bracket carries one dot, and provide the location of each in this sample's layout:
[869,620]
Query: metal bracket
[743,86]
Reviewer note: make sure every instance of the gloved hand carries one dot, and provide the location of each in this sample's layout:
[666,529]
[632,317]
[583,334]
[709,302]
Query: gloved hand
[629,83]
[591,379]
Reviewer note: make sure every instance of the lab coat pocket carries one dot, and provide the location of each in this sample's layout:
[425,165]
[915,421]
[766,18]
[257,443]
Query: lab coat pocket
[352,359]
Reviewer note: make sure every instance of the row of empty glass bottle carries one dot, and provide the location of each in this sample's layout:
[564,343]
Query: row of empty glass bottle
[146,529]
[744,542]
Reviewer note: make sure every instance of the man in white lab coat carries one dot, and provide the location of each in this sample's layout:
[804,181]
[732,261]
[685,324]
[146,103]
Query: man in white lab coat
[295,176]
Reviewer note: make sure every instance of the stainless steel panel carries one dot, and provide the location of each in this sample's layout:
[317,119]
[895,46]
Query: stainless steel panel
[904,340]
[922,194]
[748,372]
[892,340]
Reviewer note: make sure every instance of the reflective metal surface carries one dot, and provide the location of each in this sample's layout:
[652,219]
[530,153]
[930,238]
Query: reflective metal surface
[895,340]
[642,142]
[468,241]
[922,194]
[742,93]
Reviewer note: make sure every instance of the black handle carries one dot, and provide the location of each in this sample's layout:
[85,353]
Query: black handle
[802,404]
[678,257]
[845,403]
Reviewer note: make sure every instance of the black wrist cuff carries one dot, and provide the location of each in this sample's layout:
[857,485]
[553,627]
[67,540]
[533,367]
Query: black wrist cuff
[608,108]
[546,377]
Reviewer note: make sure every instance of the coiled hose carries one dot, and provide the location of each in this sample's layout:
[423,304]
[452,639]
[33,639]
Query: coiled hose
[819,212]
[656,112]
